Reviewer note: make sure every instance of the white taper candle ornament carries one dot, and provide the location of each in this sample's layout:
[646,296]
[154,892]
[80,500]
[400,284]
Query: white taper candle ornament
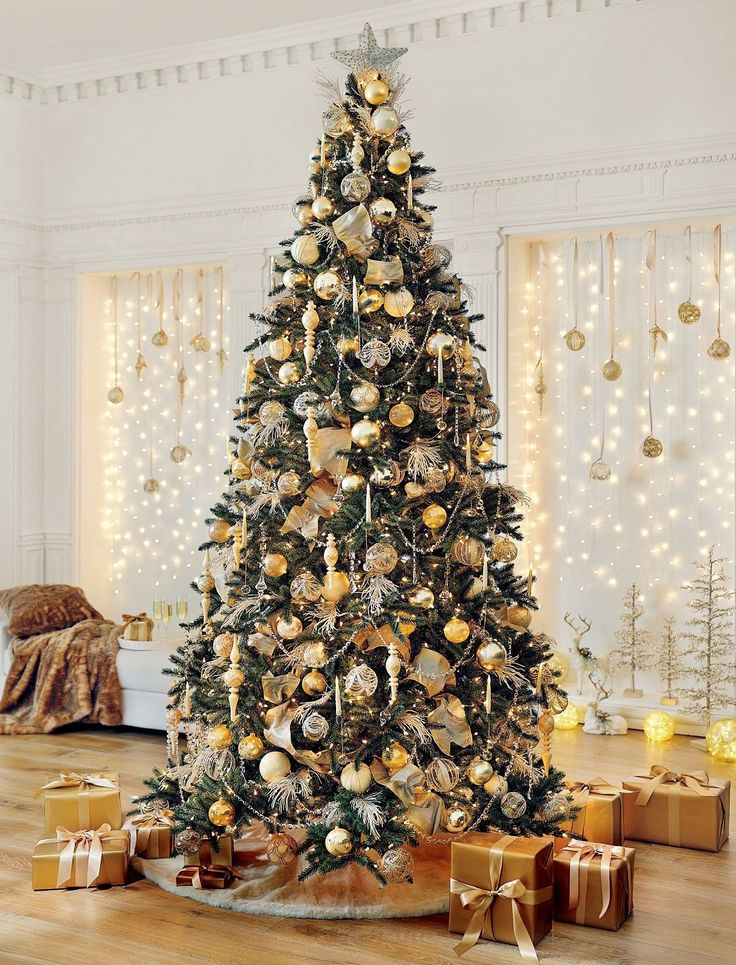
[368,507]
[468,454]
[484,578]
[338,700]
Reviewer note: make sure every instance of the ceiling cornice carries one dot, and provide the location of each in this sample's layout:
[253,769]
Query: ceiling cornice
[412,22]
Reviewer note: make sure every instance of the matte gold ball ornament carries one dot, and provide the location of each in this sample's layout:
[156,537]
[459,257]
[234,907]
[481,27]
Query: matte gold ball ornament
[434,516]
[398,303]
[339,842]
[457,631]
[504,550]
[394,757]
[496,785]
[490,656]
[327,284]
[612,370]
[456,818]
[281,849]
[356,778]
[401,415]
[289,373]
[221,813]
[250,747]
[275,565]
[274,766]
[289,629]
[376,92]
[219,737]
[480,772]
[365,433]
[323,208]
[219,531]
[305,250]
[519,616]
[398,162]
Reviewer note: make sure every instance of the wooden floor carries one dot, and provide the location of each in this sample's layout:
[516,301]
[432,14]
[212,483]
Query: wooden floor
[685,900]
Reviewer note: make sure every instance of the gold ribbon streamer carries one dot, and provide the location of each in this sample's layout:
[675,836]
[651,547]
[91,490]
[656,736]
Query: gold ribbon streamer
[717,258]
[584,853]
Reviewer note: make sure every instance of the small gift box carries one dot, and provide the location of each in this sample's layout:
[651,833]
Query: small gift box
[208,855]
[594,884]
[207,876]
[151,834]
[80,859]
[683,810]
[137,627]
[80,802]
[600,816]
[501,890]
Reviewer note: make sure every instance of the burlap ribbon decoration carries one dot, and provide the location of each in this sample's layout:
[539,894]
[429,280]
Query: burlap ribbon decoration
[86,847]
[584,853]
[480,901]
[141,825]
[84,783]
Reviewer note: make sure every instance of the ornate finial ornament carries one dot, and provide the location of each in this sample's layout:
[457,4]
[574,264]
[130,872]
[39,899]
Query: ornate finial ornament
[368,54]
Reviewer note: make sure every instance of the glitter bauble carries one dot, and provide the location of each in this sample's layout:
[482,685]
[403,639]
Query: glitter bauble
[434,403]
[382,211]
[306,585]
[370,300]
[179,453]
[398,162]
[355,187]
[689,313]
[456,818]
[600,471]
[219,737]
[315,728]
[279,349]
[504,550]
[289,629]
[719,349]
[401,415]
[555,809]
[574,339]
[434,516]
[519,616]
[468,550]
[513,805]
[115,395]
[396,865]
[160,339]
[395,756]
[490,655]
[281,849]
[314,683]
[442,774]
[365,433]
[295,279]
[398,303]
[221,813]
[720,739]
[219,531]
[275,564]
[305,250]
[456,630]
[223,644]
[288,483]
[441,342]
[326,285]
[376,92]
[339,842]
[356,778]
[274,766]
[612,370]
[652,447]
[414,490]
[480,771]
[250,747]
[323,208]
[335,121]
[381,558]
[496,785]
[352,483]
[361,681]
[315,653]
[421,597]
[385,121]
[151,485]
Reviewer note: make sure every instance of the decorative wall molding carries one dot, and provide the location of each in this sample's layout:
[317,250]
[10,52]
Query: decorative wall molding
[416,22]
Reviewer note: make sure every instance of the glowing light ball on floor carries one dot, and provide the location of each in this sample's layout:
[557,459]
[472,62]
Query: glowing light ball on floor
[568,719]
[721,740]
[659,727]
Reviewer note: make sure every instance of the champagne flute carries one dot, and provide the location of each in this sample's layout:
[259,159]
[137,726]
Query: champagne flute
[182,609]
[157,610]
[167,611]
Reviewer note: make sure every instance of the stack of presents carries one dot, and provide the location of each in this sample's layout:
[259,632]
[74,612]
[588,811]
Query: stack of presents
[502,888]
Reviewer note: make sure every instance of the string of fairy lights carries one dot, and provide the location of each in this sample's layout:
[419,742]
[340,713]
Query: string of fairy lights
[608,507]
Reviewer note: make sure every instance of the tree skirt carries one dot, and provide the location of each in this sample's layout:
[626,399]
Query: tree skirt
[350,893]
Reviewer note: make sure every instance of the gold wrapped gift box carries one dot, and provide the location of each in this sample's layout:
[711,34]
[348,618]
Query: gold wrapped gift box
[683,810]
[151,834]
[81,859]
[600,817]
[594,884]
[138,627]
[79,802]
[207,854]
[501,890]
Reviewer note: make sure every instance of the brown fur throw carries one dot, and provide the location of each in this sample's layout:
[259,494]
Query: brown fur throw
[41,607]
[61,678]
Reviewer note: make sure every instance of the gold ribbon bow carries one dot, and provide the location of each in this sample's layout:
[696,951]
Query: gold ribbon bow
[697,781]
[129,618]
[579,868]
[86,847]
[141,825]
[581,790]
[208,876]
[480,901]
[84,783]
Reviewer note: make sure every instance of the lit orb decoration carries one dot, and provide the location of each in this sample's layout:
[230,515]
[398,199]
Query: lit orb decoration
[559,664]
[652,448]
[504,550]
[339,842]
[442,774]
[720,740]
[689,313]
[612,370]
[599,471]
[719,349]
[568,719]
[659,727]
[115,395]
[361,681]
[456,819]
[480,771]
[398,162]
[574,339]
[221,813]
[250,747]
[396,865]
[490,656]
[513,805]
[281,849]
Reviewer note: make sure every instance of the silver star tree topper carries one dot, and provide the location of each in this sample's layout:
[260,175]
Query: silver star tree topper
[368,54]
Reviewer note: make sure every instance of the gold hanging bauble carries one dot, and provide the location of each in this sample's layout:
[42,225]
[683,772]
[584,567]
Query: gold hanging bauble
[382,211]
[223,644]
[456,818]
[179,453]
[441,341]
[490,655]
[394,756]
[294,279]
[274,766]
[219,531]
[352,483]
[289,629]
[504,550]
[356,778]
[279,349]
[413,489]
[250,747]
[385,121]
[303,214]
[364,77]
[574,339]
[612,370]
[442,774]
[365,433]
[479,771]
[326,285]
[689,313]
[151,486]
[335,586]
[115,395]
[407,624]
[398,162]
[288,483]
[323,207]
[376,92]
[468,550]
[496,786]
[519,616]
[719,349]
[240,469]
[314,683]
[221,813]
[456,631]
[289,373]
[398,303]
[652,448]
[401,415]
[219,737]
[434,516]
[339,842]
[355,187]
[421,597]
[281,849]
[346,345]
[484,452]
[305,250]
[315,653]
[370,300]
[275,564]
[364,396]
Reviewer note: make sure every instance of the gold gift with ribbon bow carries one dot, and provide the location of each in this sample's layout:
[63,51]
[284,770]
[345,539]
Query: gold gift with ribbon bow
[600,811]
[207,855]
[687,810]
[501,890]
[79,802]
[594,884]
[81,859]
[205,876]
[137,627]
[151,834]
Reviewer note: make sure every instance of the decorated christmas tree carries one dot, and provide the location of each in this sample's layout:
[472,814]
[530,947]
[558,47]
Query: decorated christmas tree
[363,673]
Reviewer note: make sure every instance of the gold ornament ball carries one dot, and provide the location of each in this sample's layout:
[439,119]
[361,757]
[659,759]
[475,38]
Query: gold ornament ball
[434,516]
[240,469]
[221,813]
[335,586]
[398,303]
[200,343]
[339,842]
[401,415]
[413,490]
[159,338]
[295,279]
[323,208]
[151,485]
[305,250]
[281,849]
[289,373]
[496,786]
[480,771]
[456,818]
[519,616]
[398,162]
[178,453]
[395,756]
[456,631]
[303,214]
[115,395]
[441,342]
[574,339]
[288,483]
[314,683]
[385,121]
[364,77]
[720,740]
[275,564]
[370,300]
[327,285]
[356,778]
[274,766]
[719,349]
[219,531]
[468,550]
[652,448]
[612,370]
[421,597]
[568,719]
[365,433]
[504,550]
[659,727]
[289,629]
[382,211]
[484,452]
[347,345]
[376,92]
[490,655]
[364,397]
[352,483]
[219,737]
[689,313]
[279,349]
[250,747]
[546,723]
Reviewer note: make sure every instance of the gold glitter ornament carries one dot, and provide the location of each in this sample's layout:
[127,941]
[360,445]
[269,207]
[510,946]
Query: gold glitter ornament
[275,564]
[479,771]
[600,471]
[396,865]
[303,213]
[456,818]
[394,757]
[376,92]
[240,469]
[398,162]
[279,349]
[335,121]
[381,558]
[179,453]
[281,849]
[490,655]
[434,516]
[468,550]
[115,395]
[719,349]
[496,786]
[365,433]
[219,531]
[456,631]
[652,447]
[612,370]
[250,747]
[398,303]
[326,285]
[504,550]
[421,597]
[221,813]
[323,208]
[513,805]
[689,313]
[574,339]
[401,415]
[289,373]
[339,842]
[364,397]
[219,737]
[314,683]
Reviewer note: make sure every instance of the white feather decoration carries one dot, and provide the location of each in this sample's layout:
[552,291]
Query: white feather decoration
[284,794]
[369,809]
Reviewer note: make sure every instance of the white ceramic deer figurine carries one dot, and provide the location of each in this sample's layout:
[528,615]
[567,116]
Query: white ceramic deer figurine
[582,657]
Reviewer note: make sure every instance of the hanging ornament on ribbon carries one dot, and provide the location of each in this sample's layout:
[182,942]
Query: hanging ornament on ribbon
[221,353]
[116,394]
[159,338]
[688,312]
[574,339]
[540,386]
[612,368]
[652,448]
[719,349]
[140,362]
[200,342]
[178,313]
